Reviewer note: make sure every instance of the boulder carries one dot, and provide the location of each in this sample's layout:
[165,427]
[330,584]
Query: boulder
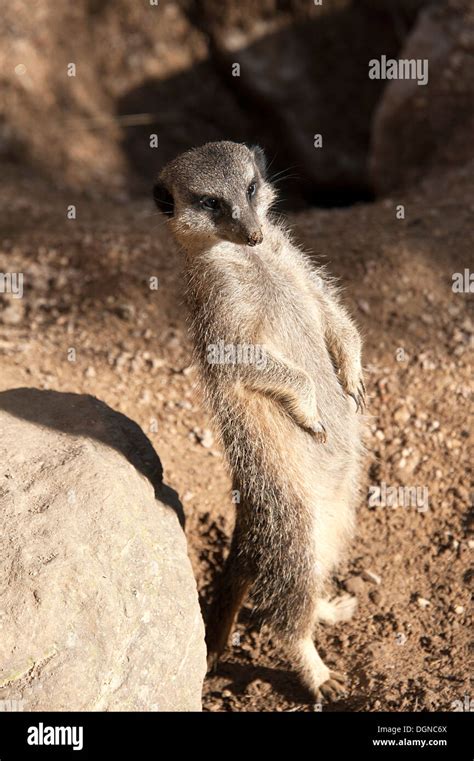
[304,75]
[98,604]
[99,95]
[421,128]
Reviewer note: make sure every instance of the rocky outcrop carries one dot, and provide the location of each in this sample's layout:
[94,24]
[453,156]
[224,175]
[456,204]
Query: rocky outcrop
[98,603]
[99,95]
[304,76]
[418,128]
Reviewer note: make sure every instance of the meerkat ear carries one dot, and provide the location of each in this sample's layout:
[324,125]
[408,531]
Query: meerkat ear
[260,159]
[163,198]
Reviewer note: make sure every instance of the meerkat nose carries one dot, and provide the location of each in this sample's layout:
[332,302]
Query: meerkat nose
[255,238]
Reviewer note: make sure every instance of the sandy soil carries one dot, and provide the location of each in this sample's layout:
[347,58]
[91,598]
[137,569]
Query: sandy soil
[87,289]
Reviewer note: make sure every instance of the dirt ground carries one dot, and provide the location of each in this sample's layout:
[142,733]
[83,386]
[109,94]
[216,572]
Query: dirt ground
[87,289]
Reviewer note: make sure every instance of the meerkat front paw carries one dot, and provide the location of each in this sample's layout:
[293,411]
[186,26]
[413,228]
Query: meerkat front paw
[307,415]
[353,385]
[359,397]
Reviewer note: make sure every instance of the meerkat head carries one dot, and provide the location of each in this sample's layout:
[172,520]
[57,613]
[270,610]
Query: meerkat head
[217,192]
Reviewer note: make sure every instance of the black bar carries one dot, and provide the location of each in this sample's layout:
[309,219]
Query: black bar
[374,735]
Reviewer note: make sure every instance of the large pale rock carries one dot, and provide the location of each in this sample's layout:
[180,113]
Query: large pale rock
[98,603]
[305,74]
[420,128]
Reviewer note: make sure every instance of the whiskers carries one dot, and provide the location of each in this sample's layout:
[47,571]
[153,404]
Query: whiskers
[159,217]
[283,175]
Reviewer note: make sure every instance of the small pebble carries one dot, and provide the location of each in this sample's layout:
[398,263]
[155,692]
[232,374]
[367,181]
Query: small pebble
[375,596]
[423,602]
[402,415]
[371,576]
[205,437]
[355,585]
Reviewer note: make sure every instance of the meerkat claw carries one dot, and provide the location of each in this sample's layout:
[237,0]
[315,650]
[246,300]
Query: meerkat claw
[359,398]
[356,400]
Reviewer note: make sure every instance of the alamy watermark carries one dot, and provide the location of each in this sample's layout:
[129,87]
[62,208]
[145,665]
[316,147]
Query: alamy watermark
[222,353]
[11,705]
[12,282]
[52,735]
[466,704]
[403,68]
[384,495]
[463,282]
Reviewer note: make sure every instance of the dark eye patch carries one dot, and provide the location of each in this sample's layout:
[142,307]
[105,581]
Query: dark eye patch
[210,203]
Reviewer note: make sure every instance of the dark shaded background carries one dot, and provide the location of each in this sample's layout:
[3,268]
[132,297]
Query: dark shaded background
[167,70]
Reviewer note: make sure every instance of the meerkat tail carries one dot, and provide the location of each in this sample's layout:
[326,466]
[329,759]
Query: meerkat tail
[336,610]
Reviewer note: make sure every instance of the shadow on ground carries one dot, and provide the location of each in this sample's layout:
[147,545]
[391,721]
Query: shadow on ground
[85,416]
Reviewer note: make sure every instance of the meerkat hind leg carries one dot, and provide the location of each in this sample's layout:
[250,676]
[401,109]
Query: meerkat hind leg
[337,609]
[232,588]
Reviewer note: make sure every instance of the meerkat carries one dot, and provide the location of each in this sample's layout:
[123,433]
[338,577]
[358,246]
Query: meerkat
[289,422]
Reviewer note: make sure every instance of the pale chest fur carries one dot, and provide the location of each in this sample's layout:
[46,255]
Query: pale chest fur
[289,317]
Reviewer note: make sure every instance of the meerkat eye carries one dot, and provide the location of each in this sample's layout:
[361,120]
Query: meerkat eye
[251,189]
[211,204]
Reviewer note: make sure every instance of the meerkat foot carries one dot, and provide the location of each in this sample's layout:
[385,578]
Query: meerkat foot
[333,688]
[338,609]
[212,661]
[320,680]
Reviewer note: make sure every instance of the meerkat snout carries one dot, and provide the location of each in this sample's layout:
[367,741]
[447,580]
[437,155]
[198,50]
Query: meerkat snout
[214,193]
